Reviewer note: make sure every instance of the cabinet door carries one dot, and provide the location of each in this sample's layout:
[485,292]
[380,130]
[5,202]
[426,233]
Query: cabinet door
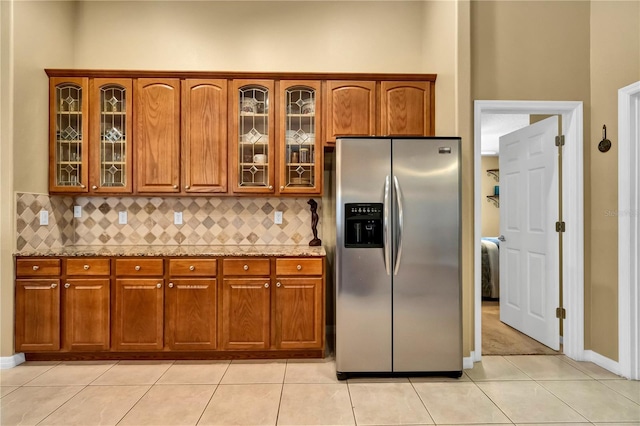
[406,108]
[204,136]
[86,314]
[246,313]
[299,140]
[138,314]
[37,315]
[191,314]
[351,109]
[111,135]
[157,135]
[252,140]
[68,135]
[298,309]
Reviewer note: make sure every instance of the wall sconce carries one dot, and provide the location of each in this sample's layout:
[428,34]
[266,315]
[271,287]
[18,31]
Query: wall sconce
[605,144]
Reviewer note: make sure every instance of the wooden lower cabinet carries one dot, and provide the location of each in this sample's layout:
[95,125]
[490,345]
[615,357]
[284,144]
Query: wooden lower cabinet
[298,310]
[138,314]
[37,315]
[191,314]
[246,306]
[86,317]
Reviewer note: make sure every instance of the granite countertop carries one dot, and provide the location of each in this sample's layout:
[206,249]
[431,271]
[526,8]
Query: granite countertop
[175,250]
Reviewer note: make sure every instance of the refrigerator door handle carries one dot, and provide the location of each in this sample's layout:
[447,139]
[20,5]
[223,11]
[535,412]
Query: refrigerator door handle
[387,246]
[400,225]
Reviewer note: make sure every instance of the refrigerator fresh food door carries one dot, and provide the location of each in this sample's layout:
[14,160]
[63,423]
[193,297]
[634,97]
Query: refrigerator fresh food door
[427,320]
[363,281]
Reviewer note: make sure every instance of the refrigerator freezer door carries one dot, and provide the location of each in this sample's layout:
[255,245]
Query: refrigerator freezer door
[363,284]
[427,321]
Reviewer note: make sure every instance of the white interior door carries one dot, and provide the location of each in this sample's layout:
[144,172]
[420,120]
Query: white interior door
[529,254]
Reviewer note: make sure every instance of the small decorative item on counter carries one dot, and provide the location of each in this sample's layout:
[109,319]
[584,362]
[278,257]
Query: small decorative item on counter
[314,223]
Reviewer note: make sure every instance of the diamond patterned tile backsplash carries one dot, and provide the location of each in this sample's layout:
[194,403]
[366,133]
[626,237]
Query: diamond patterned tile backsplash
[150,221]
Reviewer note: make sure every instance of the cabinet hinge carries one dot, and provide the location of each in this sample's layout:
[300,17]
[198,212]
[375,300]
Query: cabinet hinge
[561,313]
[560,227]
[560,140]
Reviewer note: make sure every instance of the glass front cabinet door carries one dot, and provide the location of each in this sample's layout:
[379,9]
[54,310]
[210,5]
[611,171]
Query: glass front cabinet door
[111,149]
[300,156]
[252,159]
[69,134]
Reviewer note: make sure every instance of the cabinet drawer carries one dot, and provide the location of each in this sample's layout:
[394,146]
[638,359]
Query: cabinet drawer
[299,266]
[139,267]
[193,267]
[88,267]
[37,267]
[245,267]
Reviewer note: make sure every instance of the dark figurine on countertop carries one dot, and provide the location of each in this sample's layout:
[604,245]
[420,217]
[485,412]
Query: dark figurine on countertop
[314,223]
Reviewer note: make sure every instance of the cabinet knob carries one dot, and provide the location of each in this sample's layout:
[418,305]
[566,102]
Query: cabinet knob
[94,187]
[170,285]
[36,267]
[54,285]
[192,268]
[270,186]
[86,267]
[67,285]
[187,186]
[137,268]
[82,186]
[278,284]
[281,187]
[299,267]
[175,186]
[158,285]
[245,267]
[266,285]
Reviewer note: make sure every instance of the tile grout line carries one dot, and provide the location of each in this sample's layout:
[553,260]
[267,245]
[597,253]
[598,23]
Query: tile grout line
[284,379]
[560,399]
[422,401]
[353,411]
[603,383]
[61,405]
[213,393]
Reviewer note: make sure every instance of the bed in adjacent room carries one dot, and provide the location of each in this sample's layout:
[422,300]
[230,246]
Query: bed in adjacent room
[490,268]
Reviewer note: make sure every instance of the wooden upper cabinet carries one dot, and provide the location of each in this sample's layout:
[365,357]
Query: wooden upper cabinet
[252,159]
[350,109]
[111,136]
[300,146]
[157,135]
[405,108]
[68,135]
[204,136]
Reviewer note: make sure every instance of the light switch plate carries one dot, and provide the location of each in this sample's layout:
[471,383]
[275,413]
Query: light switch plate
[44,217]
[77,211]
[277,217]
[122,218]
[177,218]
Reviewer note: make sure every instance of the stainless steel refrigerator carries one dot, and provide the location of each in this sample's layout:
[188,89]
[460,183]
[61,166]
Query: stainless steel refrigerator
[398,282]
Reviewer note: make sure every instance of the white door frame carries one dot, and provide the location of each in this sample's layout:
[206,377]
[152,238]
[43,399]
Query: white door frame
[628,230]
[573,210]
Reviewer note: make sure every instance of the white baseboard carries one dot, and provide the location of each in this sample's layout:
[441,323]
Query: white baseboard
[602,361]
[11,361]
[467,361]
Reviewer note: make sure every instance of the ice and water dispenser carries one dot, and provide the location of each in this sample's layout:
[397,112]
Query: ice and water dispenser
[363,225]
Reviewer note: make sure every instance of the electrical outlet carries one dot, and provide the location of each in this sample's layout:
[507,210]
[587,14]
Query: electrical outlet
[44,217]
[277,217]
[177,218]
[77,211]
[122,218]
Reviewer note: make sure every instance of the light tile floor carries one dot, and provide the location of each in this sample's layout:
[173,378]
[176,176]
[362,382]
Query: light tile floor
[522,390]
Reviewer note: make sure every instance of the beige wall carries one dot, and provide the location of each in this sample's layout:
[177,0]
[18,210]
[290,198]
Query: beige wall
[490,213]
[615,63]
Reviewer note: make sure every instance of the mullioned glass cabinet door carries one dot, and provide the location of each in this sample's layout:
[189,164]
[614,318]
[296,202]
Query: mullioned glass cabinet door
[69,131]
[111,111]
[253,156]
[301,156]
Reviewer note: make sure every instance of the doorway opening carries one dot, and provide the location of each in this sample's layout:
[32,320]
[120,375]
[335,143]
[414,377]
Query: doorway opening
[572,200]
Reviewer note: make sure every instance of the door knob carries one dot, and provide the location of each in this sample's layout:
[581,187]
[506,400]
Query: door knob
[94,187]
[67,285]
[170,285]
[159,285]
[502,238]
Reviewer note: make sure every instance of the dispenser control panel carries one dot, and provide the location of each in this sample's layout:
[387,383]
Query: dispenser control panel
[363,225]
